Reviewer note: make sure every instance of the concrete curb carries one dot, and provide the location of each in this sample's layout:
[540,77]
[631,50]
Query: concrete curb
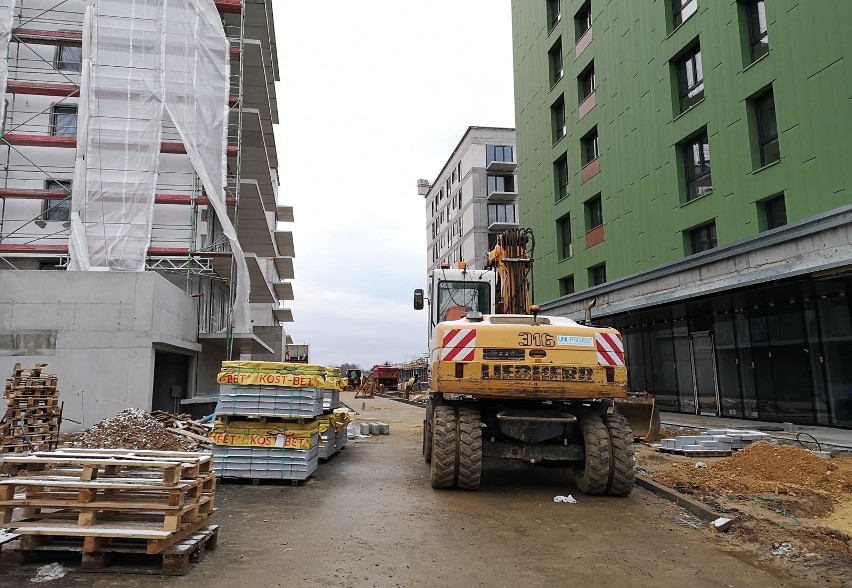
[693,506]
[403,400]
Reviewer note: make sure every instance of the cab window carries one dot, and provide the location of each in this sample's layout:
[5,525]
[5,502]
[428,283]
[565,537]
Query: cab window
[456,299]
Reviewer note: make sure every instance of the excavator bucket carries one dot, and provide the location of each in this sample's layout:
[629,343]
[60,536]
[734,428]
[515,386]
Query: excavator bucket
[643,415]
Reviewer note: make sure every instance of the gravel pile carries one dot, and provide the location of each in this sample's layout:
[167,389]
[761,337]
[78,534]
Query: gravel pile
[132,428]
[763,467]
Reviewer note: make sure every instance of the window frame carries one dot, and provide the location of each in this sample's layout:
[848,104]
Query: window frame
[564,282]
[708,231]
[554,13]
[62,109]
[763,140]
[690,166]
[562,175]
[593,274]
[586,75]
[560,125]
[756,35]
[591,140]
[491,154]
[583,21]
[50,207]
[690,61]
[501,206]
[768,213]
[556,59]
[58,62]
[678,7]
[566,249]
[493,181]
[594,212]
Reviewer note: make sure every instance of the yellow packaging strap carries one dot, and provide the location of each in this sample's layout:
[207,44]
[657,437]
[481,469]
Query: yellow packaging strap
[267,441]
[264,379]
[257,428]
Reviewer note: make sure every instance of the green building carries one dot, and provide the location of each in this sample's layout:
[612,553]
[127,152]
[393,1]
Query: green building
[688,165]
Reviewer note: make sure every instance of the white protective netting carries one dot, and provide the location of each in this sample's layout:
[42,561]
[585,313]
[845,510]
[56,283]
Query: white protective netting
[197,69]
[118,135]
[7,11]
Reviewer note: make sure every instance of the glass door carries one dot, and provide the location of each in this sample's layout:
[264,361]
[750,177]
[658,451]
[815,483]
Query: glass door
[704,373]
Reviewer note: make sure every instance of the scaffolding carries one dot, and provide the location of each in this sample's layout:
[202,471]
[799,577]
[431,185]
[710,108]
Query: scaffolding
[187,243]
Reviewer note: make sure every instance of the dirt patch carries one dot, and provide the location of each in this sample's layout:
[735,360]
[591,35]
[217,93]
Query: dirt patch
[669,432]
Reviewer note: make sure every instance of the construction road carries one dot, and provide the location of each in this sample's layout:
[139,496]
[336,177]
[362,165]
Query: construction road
[369,518]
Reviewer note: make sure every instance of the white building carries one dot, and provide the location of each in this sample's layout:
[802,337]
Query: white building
[153,338]
[472,199]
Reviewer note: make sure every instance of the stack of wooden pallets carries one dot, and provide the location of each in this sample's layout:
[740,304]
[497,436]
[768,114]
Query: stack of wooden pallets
[33,412]
[101,501]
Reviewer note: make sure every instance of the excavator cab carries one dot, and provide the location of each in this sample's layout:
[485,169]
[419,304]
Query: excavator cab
[353,377]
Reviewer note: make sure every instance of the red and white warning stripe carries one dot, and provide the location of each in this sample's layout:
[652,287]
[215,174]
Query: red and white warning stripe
[459,345]
[610,349]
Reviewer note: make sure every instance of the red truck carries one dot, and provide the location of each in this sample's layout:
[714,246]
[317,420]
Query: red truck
[387,376]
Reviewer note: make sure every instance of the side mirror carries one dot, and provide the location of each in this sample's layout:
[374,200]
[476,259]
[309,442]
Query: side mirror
[418,299]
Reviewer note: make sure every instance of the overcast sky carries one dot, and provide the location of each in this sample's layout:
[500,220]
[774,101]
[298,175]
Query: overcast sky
[373,96]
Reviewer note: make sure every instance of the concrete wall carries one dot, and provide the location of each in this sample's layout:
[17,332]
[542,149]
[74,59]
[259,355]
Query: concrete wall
[96,331]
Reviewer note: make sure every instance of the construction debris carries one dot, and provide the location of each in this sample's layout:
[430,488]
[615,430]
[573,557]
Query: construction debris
[133,428]
[33,412]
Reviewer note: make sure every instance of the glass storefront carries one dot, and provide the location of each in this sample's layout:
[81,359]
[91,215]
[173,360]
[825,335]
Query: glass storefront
[780,353]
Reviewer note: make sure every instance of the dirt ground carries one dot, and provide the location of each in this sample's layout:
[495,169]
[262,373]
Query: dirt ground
[369,518]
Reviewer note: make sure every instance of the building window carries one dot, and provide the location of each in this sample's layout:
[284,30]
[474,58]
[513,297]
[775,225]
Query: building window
[690,79]
[583,20]
[566,286]
[59,209]
[696,153]
[774,212]
[557,112]
[767,128]
[758,30]
[564,236]
[69,58]
[597,275]
[702,238]
[557,69]
[682,10]
[501,184]
[591,149]
[560,171]
[554,13]
[501,213]
[498,153]
[63,121]
[586,82]
[594,213]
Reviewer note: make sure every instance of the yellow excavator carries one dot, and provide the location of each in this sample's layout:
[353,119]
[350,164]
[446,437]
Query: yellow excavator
[508,382]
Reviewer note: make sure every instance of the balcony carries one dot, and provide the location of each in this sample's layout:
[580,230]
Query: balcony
[499,226]
[501,167]
[284,241]
[586,105]
[284,290]
[497,196]
[282,315]
[590,170]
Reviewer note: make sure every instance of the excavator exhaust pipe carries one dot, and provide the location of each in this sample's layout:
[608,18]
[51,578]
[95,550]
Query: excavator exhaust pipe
[589,308]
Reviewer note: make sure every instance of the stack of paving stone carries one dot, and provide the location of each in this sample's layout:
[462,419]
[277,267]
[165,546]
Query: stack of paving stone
[266,426]
[713,442]
[333,435]
[331,390]
[32,413]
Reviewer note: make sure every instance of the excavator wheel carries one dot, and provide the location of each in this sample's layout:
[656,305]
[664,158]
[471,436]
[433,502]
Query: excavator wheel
[444,447]
[427,433]
[470,449]
[593,476]
[622,456]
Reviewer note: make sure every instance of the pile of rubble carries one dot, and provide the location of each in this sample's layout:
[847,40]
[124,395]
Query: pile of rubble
[763,467]
[133,428]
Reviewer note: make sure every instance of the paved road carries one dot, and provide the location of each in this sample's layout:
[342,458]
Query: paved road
[369,519]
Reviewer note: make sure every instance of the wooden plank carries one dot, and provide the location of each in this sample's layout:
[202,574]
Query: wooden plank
[103,483]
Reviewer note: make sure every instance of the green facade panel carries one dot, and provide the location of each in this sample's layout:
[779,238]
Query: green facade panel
[637,115]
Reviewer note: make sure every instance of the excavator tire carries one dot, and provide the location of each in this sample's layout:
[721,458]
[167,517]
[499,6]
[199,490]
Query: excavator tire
[444,447]
[470,449]
[427,433]
[622,456]
[593,476]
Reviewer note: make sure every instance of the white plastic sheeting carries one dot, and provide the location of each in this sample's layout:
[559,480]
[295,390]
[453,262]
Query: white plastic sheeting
[7,11]
[119,128]
[197,70]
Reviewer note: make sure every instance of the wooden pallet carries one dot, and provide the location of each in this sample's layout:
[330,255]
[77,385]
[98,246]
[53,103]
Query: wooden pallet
[126,556]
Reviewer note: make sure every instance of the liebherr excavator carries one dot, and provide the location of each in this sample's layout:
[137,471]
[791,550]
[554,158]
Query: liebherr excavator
[506,381]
